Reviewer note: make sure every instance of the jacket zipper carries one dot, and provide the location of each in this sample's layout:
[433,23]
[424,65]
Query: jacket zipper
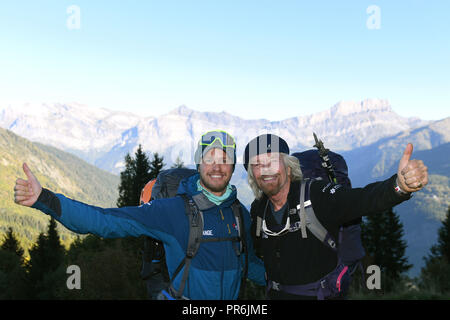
[223,262]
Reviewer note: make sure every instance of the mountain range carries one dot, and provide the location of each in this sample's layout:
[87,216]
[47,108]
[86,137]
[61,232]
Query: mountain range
[369,134]
[103,137]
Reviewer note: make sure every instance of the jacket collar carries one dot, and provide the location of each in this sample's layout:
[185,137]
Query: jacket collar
[189,186]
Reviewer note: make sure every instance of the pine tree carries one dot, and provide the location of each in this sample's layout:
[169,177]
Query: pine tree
[126,189]
[178,163]
[54,246]
[382,235]
[396,262]
[11,244]
[156,165]
[138,171]
[443,245]
[44,268]
[435,275]
[142,173]
[12,273]
[12,276]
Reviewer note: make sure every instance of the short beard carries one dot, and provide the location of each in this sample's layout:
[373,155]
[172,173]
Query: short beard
[210,187]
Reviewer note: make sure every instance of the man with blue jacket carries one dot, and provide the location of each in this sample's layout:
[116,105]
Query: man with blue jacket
[216,270]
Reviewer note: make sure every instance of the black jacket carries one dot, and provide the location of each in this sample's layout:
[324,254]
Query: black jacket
[292,260]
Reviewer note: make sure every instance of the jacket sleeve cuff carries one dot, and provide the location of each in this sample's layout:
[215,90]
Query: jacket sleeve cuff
[399,193]
[49,203]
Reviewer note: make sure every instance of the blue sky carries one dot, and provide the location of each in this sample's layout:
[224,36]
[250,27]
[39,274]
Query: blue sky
[255,59]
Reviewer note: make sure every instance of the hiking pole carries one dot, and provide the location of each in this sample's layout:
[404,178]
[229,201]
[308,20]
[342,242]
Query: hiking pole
[326,163]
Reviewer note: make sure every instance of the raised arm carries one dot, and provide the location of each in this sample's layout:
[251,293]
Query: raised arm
[337,204]
[149,219]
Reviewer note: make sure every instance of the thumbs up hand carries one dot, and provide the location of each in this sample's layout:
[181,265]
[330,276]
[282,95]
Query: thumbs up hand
[412,175]
[26,192]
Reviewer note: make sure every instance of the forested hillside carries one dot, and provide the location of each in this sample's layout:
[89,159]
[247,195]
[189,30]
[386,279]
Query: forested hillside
[56,170]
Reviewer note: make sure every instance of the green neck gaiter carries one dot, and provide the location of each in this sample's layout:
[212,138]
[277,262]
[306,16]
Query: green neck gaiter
[217,200]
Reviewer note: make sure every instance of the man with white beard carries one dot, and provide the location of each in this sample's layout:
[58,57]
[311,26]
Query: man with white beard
[299,250]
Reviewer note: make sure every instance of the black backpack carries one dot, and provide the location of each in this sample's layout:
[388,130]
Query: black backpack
[166,186]
[311,165]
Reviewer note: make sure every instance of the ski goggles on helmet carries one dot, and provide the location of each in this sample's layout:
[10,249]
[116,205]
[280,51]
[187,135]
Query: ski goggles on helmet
[224,138]
[216,139]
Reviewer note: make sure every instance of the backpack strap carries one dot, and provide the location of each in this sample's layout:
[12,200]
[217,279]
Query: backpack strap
[195,218]
[302,211]
[258,226]
[237,211]
[308,218]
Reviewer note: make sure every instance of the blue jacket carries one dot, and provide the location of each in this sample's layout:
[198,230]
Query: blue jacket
[216,270]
